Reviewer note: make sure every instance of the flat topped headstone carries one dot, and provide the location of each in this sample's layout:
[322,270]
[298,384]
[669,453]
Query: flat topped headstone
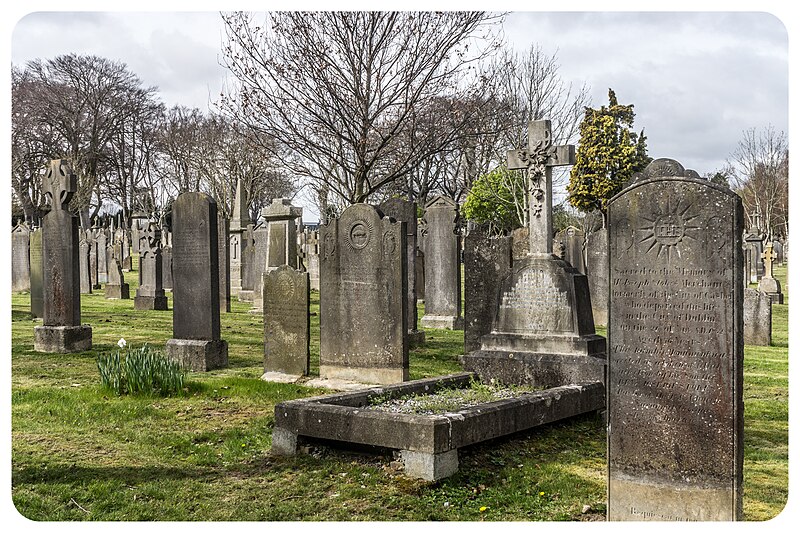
[20,258]
[286,322]
[675,409]
[443,280]
[363,320]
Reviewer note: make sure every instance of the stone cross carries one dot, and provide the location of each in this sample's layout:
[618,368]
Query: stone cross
[59,184]
[539,159]
[768,256]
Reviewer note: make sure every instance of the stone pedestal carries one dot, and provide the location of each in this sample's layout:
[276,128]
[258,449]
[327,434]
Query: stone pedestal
[62,339]
[123,292]
[442,322]
[198,355]
[150,303]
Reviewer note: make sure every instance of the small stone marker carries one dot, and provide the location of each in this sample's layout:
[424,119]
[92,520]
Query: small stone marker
[37,274]
[757,318]
[767,283]
[150,294]
[20,258]
[195,318]
[675,408]
[286,322]
[61,331]
[363,320]
[116,288]
[443,282]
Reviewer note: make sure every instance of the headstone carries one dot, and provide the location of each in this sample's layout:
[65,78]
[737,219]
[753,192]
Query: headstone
[542,331]
[755,246]
[238,242]
[101,246]
[757,318]
[419,266]
[150,294]
[223,225]
[37,274]
[597,273]
[286,321]
[166,267]
[254,252]
[767,283]
[279,221]
[312,258]
[61,331]
[116,288]
[84,247]
[520,243]
[406,211]
[20,258]
[196,341]
[94,272]
[363,291]
[573,239]
[443,282]
[487,262]
[778,248]
[675,408]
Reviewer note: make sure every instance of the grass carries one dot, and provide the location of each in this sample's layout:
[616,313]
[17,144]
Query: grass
[81,453]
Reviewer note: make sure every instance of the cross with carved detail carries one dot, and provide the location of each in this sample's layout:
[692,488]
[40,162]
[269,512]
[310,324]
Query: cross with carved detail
[539,159]
[59,184]
[768,256]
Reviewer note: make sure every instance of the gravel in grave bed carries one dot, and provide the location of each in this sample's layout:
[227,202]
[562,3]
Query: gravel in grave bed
[448,400]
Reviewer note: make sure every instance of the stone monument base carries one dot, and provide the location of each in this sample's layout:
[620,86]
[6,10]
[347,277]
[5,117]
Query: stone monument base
[416,337]
[198,355]
[126,264]
[378,376]
[118,292]
[280,377]
[535,369]
[773,288]
[150,303]
[443,322]
[62,339]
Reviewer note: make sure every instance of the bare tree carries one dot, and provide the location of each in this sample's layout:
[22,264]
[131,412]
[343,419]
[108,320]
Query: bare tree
[759,169]
[339,92]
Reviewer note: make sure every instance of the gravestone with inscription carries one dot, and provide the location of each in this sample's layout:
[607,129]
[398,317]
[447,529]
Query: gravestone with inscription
[767,283]
[281,248]
[254,252]
[487,261]
[116,288]
[573,240]
[675,409]
[363,291]
[196,341]
[238,243]
[150,294]
[61,331]
[37,274]
[443,282]
[223,225]
[757,318]
[101,246]
[166,267]
[597,274]
[542,329]
[84,248]
[754,242]
[20,258]
[406,211]
[286,322]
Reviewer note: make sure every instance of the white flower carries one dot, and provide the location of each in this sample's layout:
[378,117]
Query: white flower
[122,343]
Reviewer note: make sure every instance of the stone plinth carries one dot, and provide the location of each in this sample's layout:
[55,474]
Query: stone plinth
[757,318]
[198,355]
[62,339]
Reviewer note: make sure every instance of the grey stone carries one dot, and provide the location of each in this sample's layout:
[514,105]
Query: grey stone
[406,211]
[363,291]
[61,331]
[240,222]
[573,239]
[757,318]
[281,238]
[487,261]
[196,341]
[84,247]
[223,226]
[767,283]
[779,255]
[443,280]
[429,466]
[675,407]
[94,273]
[286,321]
[116,288]
[101,245]
[597,274]
[37,274]
[520,243]
[20,258]
[166,268]
[150,294]
[253,248]
[419,265]
[754,245]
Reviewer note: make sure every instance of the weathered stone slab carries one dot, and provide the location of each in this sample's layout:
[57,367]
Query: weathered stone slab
[223,226]
[597,274]
[757,318]
[37,274]
[443,280]
[195,318]
[428,443]
[675,408]
[85,263]
[101,245]
[20,258]
[166,267]
[573,240]
[116,288]
[363,320]
[150,294]
[286,321]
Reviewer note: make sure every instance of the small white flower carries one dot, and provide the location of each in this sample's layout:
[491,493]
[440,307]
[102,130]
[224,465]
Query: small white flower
[122,343]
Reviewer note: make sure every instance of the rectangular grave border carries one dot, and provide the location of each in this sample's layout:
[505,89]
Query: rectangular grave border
[428,444]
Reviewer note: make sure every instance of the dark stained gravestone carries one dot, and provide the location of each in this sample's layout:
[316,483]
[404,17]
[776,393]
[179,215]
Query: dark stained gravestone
[487,261]
[573,239]
[84,247]
[150,294]
[363,320]
[286,321]
[20,258]
[61,331]
[757,318]
[37,274]
[675,409]
[597,274]
[223,225]
[406,211]
[443,280]
[196,341]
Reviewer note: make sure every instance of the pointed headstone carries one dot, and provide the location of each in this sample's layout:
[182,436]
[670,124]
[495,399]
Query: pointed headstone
[20,258]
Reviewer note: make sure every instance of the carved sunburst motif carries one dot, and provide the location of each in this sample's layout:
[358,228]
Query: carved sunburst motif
[668,227]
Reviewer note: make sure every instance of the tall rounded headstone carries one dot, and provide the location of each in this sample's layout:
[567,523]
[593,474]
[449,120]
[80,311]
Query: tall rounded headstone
[675,409]
[443,255]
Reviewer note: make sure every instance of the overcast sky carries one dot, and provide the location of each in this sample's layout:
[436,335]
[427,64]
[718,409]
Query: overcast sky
[696,79]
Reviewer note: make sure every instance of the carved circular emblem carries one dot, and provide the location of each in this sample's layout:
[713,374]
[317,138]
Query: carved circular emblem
[360,234]
[669,229]
[389,243]
[285,285]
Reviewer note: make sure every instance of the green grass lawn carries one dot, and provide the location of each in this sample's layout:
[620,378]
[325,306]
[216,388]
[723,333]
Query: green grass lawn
[79,453]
